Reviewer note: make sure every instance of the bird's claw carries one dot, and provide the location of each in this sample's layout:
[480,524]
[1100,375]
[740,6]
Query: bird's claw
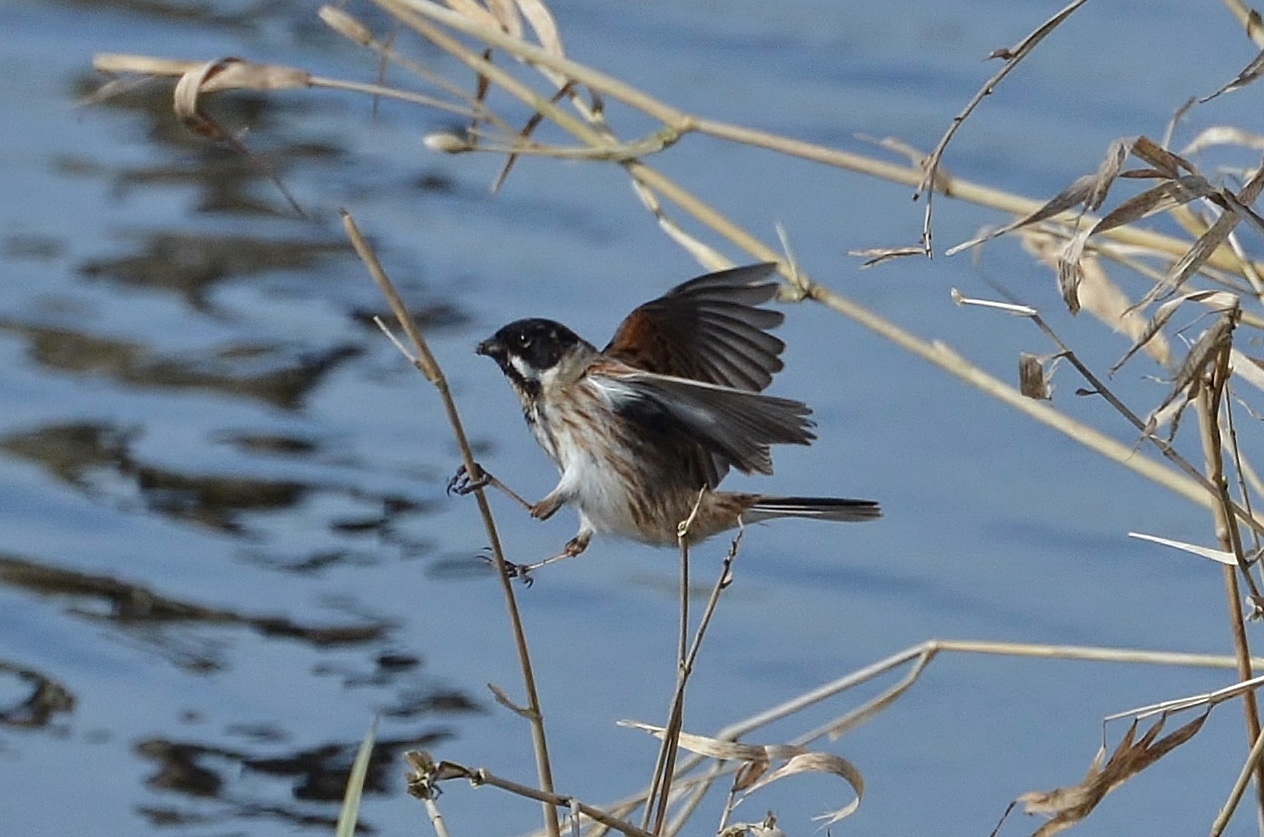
[461,484]
[518,571]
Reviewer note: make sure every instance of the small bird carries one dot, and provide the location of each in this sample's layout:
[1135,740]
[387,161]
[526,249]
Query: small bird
[643,428]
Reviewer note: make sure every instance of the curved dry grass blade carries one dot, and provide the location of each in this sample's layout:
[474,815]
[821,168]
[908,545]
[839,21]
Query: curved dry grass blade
[1208,242]
[819,763]
[1205,349]
[1167,163]
[1253,70]
[1217,555]
[1224,135]
[232,73]
[1069,270]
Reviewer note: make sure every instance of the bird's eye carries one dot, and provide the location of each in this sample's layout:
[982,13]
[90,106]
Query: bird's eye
[523,341]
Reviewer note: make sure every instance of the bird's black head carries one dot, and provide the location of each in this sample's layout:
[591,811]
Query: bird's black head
[525,349]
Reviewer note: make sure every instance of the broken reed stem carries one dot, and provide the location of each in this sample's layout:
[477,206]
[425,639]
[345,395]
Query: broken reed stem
[1210,397]
[429,367]
[1013,57]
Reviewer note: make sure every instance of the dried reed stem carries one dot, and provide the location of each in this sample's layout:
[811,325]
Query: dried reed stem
[428,366]
[1209,399]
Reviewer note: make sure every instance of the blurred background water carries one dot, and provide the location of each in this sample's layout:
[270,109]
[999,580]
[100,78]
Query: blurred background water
[224,540]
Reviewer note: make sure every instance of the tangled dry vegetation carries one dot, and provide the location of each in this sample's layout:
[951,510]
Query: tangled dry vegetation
[1197,304]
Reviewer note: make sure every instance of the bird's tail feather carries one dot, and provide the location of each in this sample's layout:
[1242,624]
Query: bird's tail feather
[819,508]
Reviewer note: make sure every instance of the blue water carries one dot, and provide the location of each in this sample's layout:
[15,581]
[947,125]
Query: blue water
[223,532]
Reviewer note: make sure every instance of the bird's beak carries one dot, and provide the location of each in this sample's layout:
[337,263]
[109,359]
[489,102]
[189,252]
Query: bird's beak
[490,347]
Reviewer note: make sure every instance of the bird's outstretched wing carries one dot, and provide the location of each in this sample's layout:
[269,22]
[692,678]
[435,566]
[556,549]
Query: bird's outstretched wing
[719,426]
[708,329]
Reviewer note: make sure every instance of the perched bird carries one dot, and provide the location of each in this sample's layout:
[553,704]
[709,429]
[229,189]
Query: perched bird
[642,428]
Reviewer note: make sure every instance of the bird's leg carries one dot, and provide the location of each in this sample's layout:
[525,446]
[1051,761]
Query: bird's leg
[548,506]
[462,484]
[574,546]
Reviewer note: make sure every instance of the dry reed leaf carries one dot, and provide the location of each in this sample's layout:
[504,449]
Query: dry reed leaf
[1069,271]
[1222,300]
[1215,339]
[497,15]
[1067,806]
[1247,368]
[1074,195]
[1108,171]
[716,748]
[1249,73]
[1238,209]
[1194,258]
[1167,163]
[754,775]
[1167,195]
[224,74]
[542,22]
[233,73]
[1217,555]
[1223,135]
[706,256]
[1031,377]
[878,255]
[819,763]
[1100,296]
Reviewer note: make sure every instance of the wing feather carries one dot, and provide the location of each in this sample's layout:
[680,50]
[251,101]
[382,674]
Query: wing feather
[734,427]
[708,329]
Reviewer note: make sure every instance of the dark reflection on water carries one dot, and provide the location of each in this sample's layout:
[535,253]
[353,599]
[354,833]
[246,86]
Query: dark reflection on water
[192,264]
[317,774]
[270,373]
[138,608]
[44,698]
[75,453]
[181,307]
[203,14]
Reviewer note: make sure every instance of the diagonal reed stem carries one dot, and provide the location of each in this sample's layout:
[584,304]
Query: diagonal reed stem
[428,366]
